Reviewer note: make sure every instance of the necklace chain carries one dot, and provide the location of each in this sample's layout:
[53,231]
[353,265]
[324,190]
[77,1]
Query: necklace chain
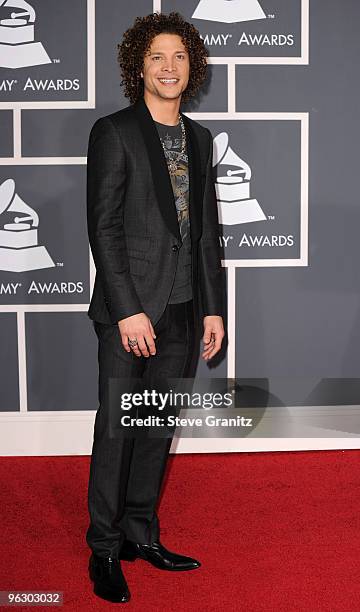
[172,163]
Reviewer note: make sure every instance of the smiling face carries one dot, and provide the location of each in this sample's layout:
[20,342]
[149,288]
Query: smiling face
[166,67]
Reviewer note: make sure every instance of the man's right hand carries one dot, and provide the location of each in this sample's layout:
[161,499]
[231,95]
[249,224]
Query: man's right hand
[140,327]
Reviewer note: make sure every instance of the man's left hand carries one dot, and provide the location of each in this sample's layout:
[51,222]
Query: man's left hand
[213,335]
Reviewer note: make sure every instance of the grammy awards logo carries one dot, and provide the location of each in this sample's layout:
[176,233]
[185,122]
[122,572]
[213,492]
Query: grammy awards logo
[235,205]
[19,249]
[18,48]
[229,11]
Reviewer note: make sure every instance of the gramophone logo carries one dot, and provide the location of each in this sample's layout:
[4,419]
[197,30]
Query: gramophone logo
[19,249]
[229,11]
[18,48]
[235,205]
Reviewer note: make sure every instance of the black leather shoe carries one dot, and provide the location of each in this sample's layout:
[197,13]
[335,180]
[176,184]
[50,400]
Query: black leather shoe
[157,555]
[109,581]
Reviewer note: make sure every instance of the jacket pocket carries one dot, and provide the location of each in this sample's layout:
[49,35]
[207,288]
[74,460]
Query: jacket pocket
[137,243]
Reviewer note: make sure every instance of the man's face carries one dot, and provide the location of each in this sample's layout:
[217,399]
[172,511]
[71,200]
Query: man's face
[166,67]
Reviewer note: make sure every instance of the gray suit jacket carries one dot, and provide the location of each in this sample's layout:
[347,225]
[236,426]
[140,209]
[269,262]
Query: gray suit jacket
[132,221]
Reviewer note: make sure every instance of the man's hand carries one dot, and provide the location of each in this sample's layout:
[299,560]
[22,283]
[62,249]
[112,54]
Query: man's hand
[213,335]
[140,327]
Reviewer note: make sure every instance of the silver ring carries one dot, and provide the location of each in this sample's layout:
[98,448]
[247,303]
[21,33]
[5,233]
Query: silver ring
[132,342]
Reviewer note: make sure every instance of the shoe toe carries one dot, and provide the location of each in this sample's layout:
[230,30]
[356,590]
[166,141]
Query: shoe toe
[190,564]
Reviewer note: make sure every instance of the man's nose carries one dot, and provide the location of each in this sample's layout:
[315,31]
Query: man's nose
[168,65]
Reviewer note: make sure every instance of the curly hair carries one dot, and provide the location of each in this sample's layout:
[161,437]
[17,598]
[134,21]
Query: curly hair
[136,43]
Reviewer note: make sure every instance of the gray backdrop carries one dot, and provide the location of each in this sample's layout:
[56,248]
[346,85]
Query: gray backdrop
[295,308]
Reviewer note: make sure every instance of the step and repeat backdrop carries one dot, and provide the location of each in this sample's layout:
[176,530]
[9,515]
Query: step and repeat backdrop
[281,103]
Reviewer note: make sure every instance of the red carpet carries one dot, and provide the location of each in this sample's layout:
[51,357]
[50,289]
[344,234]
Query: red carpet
[274,532]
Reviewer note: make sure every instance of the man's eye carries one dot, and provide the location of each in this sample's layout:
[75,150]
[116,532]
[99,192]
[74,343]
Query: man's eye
[155,57]
[181,56]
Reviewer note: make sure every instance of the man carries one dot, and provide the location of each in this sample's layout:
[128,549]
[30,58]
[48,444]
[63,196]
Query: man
[153,231]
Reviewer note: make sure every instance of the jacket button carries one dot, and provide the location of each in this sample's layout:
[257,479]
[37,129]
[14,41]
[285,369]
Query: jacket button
[174,247]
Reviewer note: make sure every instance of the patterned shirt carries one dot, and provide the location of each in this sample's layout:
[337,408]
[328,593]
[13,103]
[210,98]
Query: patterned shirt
[171,136]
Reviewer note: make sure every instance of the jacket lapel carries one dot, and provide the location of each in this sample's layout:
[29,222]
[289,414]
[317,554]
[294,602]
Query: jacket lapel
[159,170]
[160,173]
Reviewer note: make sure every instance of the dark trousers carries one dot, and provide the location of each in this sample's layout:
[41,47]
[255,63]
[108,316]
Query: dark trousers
[126,472]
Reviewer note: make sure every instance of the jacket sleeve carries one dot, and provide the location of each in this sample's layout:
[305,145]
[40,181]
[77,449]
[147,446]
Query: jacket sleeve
[211,271]
[106,187]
